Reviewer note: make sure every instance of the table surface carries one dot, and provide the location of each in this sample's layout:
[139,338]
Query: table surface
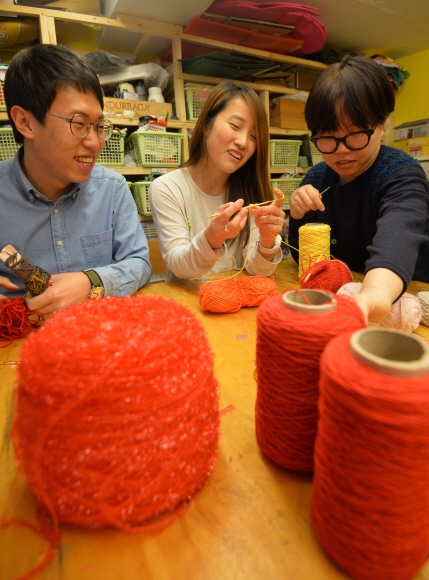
[250,522]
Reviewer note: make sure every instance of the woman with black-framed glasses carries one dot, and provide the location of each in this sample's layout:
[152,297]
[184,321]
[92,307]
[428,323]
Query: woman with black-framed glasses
[377,204]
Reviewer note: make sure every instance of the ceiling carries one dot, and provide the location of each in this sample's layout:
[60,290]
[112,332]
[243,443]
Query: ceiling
[395,28]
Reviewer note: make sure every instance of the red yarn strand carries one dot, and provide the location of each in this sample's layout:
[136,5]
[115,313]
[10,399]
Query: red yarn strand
[286,404]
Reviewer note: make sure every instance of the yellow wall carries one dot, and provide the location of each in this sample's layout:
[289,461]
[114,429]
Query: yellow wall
[412,100]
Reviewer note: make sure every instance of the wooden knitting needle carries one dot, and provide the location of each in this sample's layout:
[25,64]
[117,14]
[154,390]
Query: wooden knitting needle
[248,206]
[263,203]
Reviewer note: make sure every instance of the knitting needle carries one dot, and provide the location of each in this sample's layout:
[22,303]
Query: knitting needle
[247,207]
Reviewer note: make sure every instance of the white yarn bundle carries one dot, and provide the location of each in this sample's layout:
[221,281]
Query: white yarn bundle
[424,303]
[405,314]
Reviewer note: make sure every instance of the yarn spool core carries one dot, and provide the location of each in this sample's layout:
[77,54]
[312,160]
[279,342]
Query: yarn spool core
[310,301]
[391,352]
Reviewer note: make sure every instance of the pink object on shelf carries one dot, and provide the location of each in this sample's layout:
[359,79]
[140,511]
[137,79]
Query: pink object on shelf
[303,18]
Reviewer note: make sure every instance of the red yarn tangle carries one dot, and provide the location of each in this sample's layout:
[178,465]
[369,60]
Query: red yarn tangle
[327,275]
[16,320]
[228,295]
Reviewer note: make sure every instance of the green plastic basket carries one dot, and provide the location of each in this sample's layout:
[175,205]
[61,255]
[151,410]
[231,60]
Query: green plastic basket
[113,152]
[287,186]
[284,152]
[196,97]
[316,156]
[156,149]
[140,190]
[8,145]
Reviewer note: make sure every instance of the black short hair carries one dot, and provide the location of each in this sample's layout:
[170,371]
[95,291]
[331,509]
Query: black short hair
[356,88]
[36,74]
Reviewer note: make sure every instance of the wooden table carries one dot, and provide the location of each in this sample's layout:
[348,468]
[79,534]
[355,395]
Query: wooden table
[250,522]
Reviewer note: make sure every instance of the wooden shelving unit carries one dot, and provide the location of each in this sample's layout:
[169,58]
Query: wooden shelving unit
[49,20]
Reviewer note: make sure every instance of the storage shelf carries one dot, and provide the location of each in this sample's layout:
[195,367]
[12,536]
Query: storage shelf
[51,20]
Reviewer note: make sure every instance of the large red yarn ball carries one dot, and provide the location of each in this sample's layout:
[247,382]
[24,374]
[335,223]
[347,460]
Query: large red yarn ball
[117,413]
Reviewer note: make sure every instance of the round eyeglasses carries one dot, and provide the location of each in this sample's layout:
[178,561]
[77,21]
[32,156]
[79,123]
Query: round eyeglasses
[354,141]
[80,126]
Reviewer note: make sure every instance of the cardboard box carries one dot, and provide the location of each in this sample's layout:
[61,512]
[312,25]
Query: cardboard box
[305,80]
[287,114]
[140,108]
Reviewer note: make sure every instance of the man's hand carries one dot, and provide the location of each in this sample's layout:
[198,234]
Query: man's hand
[64,290]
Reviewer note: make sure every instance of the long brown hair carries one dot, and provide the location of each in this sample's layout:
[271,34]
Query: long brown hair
[251,181]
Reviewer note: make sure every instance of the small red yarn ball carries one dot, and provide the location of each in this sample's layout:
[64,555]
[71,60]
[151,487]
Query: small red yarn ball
[328,275]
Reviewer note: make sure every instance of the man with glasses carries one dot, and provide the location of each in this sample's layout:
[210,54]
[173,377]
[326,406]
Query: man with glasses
[377,204]
[73,218]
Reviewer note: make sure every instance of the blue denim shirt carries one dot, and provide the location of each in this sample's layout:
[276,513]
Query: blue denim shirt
[95,225]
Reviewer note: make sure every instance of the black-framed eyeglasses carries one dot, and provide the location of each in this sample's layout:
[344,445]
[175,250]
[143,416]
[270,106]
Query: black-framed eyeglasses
[354,141]
[80,126]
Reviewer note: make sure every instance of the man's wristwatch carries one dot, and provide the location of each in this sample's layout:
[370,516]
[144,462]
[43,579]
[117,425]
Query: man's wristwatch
[97,288]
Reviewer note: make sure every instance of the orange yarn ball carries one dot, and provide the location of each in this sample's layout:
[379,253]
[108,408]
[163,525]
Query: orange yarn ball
[256,289]
[327,275]
[220,295]
[117,421]
[228,295]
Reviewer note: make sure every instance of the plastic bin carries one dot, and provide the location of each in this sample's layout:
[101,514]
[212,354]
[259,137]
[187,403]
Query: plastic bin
[316,156]
[156,149]
[113,151]
[140,190]
[287,186]
[284,152]
[2,101]
[196,97]
[8,145]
